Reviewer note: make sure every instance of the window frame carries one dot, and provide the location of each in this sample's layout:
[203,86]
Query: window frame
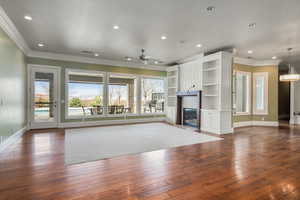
[140,95]
[249,102]
[66,100]
[106,76]
[264,111]
[136,91]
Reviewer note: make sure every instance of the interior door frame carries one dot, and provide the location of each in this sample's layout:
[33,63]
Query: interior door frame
[30,122]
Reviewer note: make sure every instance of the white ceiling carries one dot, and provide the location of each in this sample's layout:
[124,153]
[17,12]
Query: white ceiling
[70,26]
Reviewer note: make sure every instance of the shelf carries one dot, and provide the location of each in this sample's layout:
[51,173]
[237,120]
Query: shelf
[210,69]
[210,84]
[172,96]
[210,95]
[210,109]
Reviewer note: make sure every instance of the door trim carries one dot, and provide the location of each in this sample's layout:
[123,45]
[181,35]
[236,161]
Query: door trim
[29,76]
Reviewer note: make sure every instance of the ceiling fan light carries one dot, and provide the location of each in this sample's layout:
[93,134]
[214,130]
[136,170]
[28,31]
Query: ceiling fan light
[289,77]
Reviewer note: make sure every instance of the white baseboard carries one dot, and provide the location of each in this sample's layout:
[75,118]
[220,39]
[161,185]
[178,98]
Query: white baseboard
[265,123]
[109,122]
[242,124]
[229,131]
[12,139]
[220,132]
[255,123]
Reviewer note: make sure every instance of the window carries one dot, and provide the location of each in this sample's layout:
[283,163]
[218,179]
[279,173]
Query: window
[121,94]
[242,87]
[93,94]
[153,95]
[85,93]
[260,93]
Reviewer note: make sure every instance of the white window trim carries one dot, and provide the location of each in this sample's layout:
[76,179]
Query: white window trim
[105,94]
[265,111]
[30,87]
[66,98]
[249,75]
[165,91]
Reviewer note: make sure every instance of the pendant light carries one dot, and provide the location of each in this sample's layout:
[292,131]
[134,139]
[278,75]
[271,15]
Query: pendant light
[289,77]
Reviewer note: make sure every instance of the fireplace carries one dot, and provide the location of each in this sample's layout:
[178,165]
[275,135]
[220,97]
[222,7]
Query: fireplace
[189,117]
[189,108]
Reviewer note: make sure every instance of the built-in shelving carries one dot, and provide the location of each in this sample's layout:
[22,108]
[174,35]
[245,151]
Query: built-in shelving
[210,95]
[210,69]
[210,84]
[172,88]
[216,99]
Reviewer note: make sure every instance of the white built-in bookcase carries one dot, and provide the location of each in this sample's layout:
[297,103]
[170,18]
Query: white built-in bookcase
[216,114]
[172,86]
[212,75]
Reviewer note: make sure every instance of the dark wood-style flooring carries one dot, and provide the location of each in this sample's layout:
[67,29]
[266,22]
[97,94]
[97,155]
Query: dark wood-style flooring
[254,163]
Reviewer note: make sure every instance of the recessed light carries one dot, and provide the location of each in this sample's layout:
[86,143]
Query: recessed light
[28,17]
[116,27]
[199,45]
[96,54]
[156,62]
[210,9]
[163,37]
[41,45]
[274,57]
[250,51]
[128,59]
[252,25]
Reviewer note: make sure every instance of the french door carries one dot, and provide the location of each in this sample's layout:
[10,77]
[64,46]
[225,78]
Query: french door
[44,97]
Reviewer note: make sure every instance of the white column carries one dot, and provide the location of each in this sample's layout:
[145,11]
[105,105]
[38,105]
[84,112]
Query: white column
[105,93]
[138,95]
[292,99]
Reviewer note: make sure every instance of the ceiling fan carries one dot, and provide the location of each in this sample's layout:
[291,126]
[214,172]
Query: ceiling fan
[146,59]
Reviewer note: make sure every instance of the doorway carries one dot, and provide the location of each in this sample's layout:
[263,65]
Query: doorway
[43,98]
[283,98]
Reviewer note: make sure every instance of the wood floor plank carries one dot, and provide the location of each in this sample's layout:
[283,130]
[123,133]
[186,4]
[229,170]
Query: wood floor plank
[254,163]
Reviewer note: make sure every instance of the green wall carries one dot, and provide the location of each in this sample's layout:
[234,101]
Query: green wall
[13,87]
[85,66]
[272,93]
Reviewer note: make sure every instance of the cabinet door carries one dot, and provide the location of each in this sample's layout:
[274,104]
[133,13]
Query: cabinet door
[204,120]
[210,121]
[214,118]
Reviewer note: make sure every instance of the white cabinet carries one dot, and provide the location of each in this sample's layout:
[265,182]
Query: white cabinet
[216,93]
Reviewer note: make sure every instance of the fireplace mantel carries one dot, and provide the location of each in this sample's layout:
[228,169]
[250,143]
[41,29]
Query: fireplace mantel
[188,93]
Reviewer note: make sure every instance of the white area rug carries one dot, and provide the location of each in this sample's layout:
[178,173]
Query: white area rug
[90,144]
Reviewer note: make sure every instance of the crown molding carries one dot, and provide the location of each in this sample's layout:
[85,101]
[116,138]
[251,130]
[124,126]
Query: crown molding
[254,62]
[99,61]
[191,58]
[10,29]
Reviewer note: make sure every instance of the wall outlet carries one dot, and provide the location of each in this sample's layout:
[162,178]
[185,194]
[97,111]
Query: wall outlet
[263,118]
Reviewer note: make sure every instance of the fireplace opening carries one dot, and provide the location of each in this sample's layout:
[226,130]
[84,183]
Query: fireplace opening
[189,117]
[189,108]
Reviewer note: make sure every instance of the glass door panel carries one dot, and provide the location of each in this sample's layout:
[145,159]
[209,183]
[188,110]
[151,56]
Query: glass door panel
[44,98]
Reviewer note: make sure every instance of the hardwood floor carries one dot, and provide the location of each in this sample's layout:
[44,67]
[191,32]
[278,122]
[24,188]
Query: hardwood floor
[254,163]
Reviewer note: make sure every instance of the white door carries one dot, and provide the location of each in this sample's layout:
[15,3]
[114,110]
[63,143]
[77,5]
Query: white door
[44,97]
